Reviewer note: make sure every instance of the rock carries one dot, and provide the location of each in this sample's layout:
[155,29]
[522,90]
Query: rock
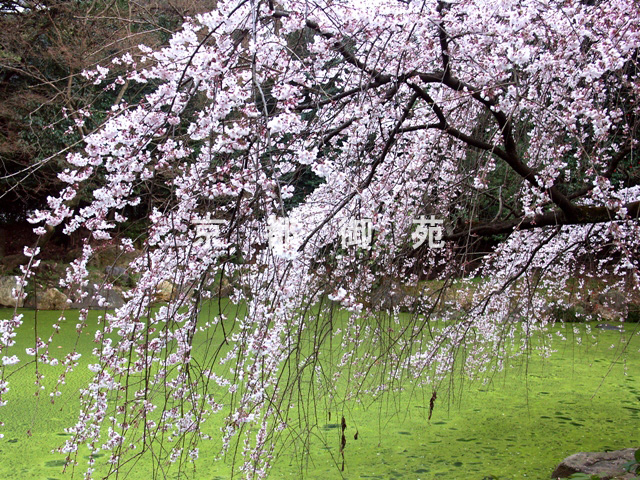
[608,326]
[165,291]
[168,292]
[613,299]
[607,465]
[50,299]
[608,314]
[118,274]
[7,297]
[115,271]
[112,299]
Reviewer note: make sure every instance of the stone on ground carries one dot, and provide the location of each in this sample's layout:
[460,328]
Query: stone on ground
[608,465]
[7,297]
[50,299]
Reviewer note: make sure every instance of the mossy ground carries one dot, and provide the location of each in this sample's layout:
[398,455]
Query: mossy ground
[585,397]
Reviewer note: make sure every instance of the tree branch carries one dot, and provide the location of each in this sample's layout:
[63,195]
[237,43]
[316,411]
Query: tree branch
[587,215]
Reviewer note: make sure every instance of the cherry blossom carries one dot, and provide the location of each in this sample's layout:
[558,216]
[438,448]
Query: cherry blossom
[514,121]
